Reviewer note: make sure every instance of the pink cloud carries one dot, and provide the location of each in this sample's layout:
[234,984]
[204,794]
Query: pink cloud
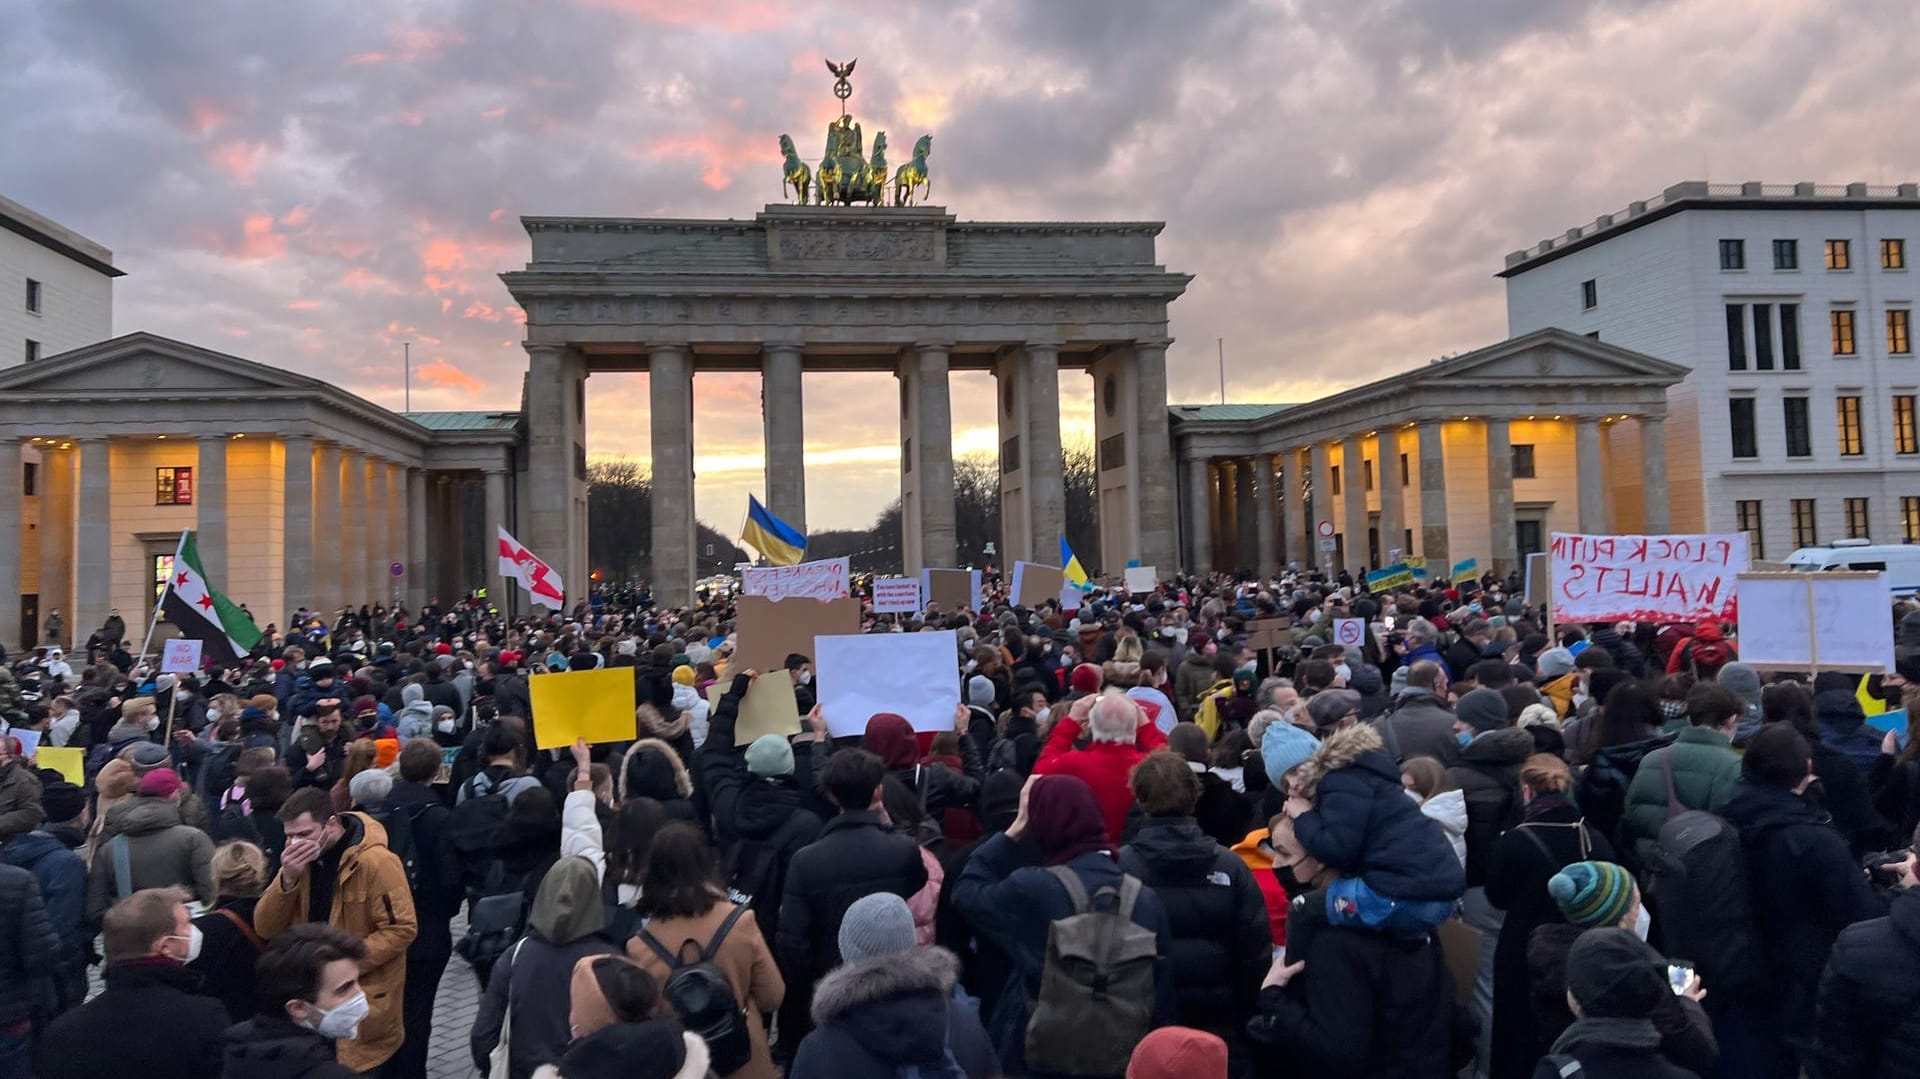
[494,113]
[297,216]
[718,158]
[239,159]
[479,310]
[497,213]
[733,16]
[304,305]
[203,115]
[364,58]
[442,373]
[442,253]
[235,331]
[258,240]
[409,44]
[362,280]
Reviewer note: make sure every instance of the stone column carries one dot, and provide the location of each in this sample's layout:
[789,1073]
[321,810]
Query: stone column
[397,542]
[1433,501]
[927,530]
[93,555]
[1504,553]
[1154,497]
[1296,469]
[1266,506]
[1353,491]
[1653,467]
[1322,507]
[557,462]
[379,548]
[296,559]
[353,530]
[673,514]
[1246,536]
[328,594]
[210,509]
[504,593]
[12,472]
[1230,510]
[1046,479]
[785,434]
[1386,480]
[416,538]
[1590,474]
[56,539]
[447,551]
[1199,516]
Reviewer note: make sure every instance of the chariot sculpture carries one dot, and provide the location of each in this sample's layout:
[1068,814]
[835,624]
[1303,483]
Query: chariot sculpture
[847,175]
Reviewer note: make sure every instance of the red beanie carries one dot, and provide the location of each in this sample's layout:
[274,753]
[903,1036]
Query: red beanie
[159,783]
[443,649]
[1086,679]
[1179,1053]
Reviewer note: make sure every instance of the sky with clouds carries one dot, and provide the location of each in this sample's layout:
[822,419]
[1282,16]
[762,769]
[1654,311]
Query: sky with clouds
[309,185]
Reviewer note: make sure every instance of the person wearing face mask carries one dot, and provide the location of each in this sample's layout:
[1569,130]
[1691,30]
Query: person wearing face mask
[309,990]
[148,847]
[149,1023]
[800,672]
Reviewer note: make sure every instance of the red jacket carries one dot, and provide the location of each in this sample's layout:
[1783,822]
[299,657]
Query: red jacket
[1104,766]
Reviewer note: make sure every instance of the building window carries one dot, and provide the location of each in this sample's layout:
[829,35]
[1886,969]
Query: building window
[1804,532]
[1856,512]
[1847,413]
[1893,254]
[1799,431]
[1733,254]
[162,572]
[173,486]
[1910,518]
[33,350]
[1593,335]
[1333,480]
[1746,443]
[1404,475]
[1899,339]
[1366,468]
[1786,254]
[1736,337]
[1590,294]
[1840,321]
[1839,254]
[1763,337]
[1906,433]
[1746,517]
[1790,336]
[1523,461]
[30,479]
[33,295]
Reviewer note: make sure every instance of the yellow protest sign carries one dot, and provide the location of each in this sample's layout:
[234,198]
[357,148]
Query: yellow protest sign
[595,705]
[69,761]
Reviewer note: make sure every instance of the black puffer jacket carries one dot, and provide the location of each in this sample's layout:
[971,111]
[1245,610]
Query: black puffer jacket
[28,949]
[149,1024]
[270,1048]
[1488,775]
[893,1015]
[1221,944]
[1869,1006]
[770,811]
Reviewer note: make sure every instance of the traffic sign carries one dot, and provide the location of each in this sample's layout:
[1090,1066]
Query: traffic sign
[1327,544]
[1326,529]
[396,569]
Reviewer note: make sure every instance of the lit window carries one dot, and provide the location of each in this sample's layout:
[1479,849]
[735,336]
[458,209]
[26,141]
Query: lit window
[1839,254]
[1840,322]
[1899,340]
[1746,518]
[1856,513]
[1804,532]
[1893,254]
[1847,414]
[1910,518]
[1906,432]
[162,570]
[1786,254]
[1733,254]
[173,486]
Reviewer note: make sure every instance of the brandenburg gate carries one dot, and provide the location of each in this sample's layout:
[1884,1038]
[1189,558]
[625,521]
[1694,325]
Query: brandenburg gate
[828,285]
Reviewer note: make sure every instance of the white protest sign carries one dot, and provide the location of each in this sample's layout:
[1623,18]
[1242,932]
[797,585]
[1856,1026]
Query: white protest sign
[1070,596]
[896,595]
[1803,621]
[1141,579]
[180,656]
[916,675]
[1645,578]
[1349,632]
[825,579]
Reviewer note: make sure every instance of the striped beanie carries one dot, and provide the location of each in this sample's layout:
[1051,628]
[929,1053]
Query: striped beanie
[1593,893]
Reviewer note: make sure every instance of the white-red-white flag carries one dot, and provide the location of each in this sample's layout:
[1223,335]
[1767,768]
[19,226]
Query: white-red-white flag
[543,585]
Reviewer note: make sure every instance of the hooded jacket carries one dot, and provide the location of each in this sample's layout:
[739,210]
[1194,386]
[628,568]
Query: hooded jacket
[1419,724]
[876,1017]
[1488,776]
[62,878]
[1610,1049]
[274,1047]
[1448,809]
[1869,1013]
[20,810]
[1363,824]
[161,852]
[938,787]
[1843,728]
[535,976]
[1705,771]
[1703,653]
[653,769]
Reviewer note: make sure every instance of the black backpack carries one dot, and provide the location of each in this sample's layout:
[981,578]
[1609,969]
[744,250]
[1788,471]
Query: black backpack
[400,840]
[1698,886]
[703,998]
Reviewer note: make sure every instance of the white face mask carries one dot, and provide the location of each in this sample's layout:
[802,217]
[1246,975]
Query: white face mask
[445,726]
[343,1022]
[1345,672]
[806,677]
[153,724]
[213,715]
[194,939]
[1642,921]
[1041,716]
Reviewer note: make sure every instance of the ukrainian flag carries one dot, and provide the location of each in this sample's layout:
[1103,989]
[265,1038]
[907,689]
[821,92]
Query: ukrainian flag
[776,540]
[1070,565]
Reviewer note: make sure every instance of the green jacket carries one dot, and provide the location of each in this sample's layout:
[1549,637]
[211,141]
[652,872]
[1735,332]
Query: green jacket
[1705,771]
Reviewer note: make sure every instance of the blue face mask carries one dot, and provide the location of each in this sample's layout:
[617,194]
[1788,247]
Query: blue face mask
[1463,737]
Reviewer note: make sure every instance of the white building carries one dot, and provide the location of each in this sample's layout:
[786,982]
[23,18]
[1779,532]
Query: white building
[56,287]
[1792,306]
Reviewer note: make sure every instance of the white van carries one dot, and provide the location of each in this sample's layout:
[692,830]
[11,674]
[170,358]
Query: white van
[1901,561]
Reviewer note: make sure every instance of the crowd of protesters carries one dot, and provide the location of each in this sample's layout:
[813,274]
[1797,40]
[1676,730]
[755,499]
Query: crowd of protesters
[1144,848]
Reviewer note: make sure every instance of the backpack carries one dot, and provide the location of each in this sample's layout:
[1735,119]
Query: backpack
[471,828]
[1704,659]
[1096,995]
[1698,884]
[703,998]
[399,825]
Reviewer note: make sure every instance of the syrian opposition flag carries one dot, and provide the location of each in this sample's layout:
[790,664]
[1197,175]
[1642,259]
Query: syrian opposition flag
[517,563]
[192,605]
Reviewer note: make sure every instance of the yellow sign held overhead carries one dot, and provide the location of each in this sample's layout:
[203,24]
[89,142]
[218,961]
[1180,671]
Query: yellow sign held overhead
[68,761]
[595,705]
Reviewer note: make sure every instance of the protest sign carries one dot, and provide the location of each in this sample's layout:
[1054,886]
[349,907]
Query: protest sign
[595,705]
[770,707]
[896,595]
[1539,577]
[1686,578]
[825,579]
[180,656]
[1141,578]
[1815,621]
[1034,583]
[915,675]
[1349,632]
[1266,634]
[1465,571]
[769,632]
[1390,577]
[29,740]
[69,761]
[952,589]
[1070,597]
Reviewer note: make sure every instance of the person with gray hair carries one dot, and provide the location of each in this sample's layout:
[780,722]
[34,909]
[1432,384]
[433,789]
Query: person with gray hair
[1114,718]
[1121,736]
[369,789]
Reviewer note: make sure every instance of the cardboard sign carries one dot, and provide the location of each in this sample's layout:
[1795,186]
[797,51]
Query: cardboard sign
[896,595]
[1464,571]
[180,655]
[770,630]
[1035,583]
[1349,632]
[1539,578]
[952,589]
[1391,577]
[825,579]
[916,675]
[595,705]
[1269,633]
[1682,578]
[1815,621]
[769,707]
[1141,579]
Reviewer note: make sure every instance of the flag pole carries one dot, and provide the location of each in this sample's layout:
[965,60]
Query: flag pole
[160,601]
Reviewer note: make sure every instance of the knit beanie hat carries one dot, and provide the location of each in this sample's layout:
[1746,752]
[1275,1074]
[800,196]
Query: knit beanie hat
[1179,1053]
[770,755]
[683,675]
[1742,680]
[159,783]
[876,925]
[145,756]
[1484,710]
[1554,663]
[980,691]
[1615,975]
[1086,679]
[1283,748]
[62,801]
[1592,893]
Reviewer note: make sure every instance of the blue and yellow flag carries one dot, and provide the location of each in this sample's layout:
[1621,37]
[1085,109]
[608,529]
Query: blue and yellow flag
[1070,565]
[776,540]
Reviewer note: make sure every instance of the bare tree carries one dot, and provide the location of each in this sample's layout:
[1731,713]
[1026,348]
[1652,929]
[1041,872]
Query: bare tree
[619,518]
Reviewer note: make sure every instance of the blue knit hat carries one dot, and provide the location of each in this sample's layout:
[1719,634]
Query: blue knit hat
[1592,893]
[1285,747]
